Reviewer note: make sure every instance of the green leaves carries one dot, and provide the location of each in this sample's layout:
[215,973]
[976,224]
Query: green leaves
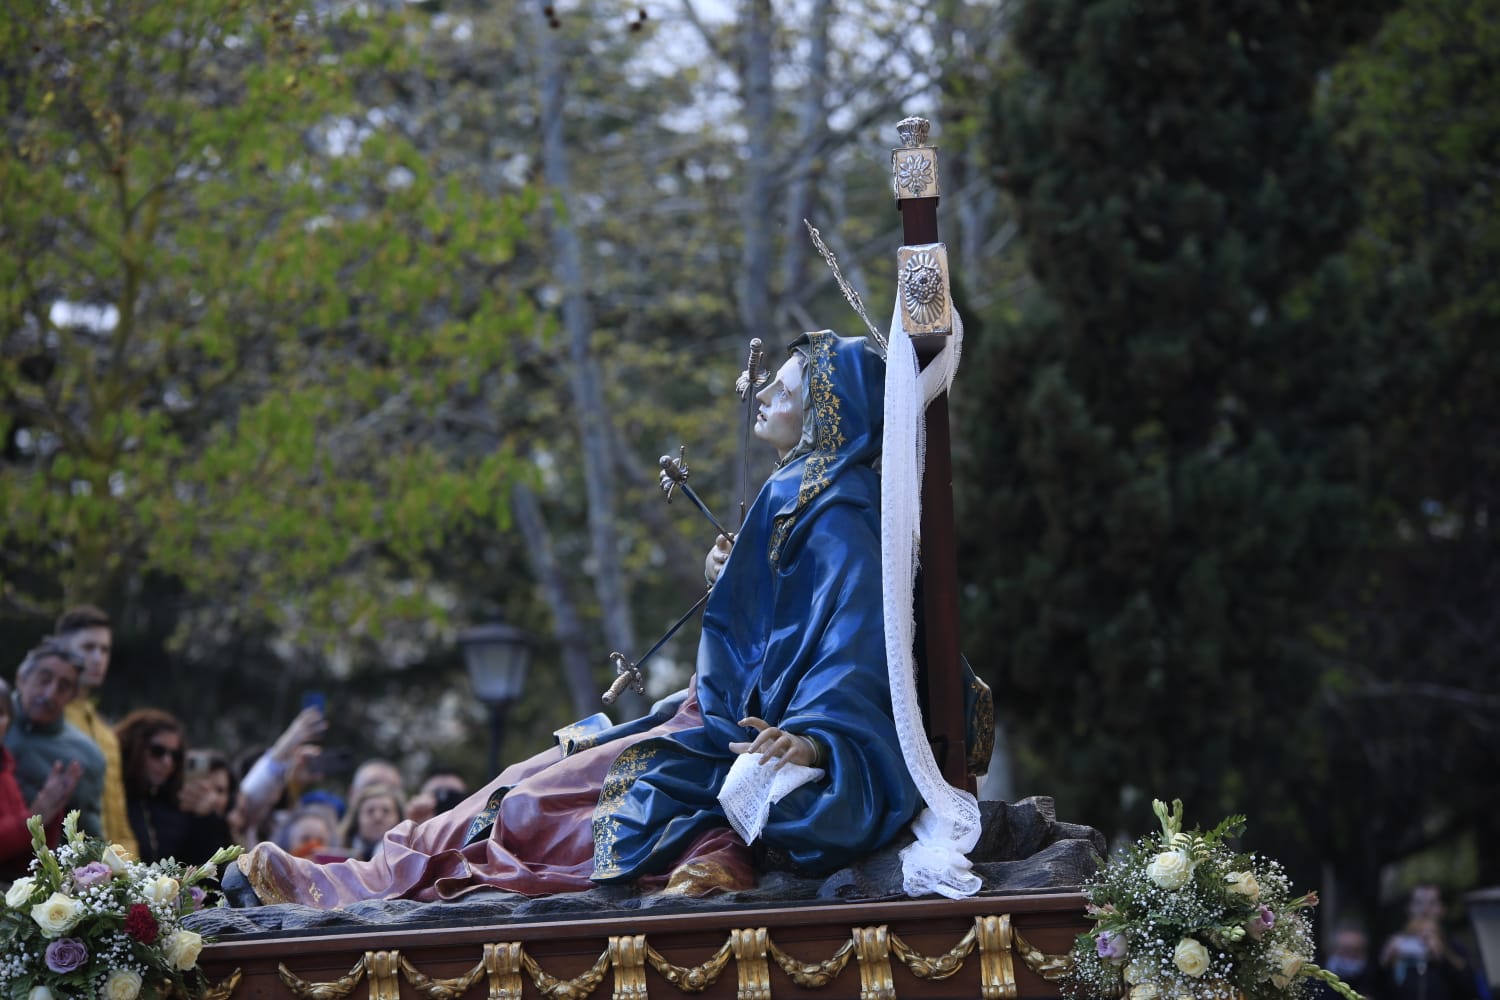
[299,293]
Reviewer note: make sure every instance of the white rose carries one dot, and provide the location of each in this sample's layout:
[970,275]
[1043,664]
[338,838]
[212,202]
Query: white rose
[182,948]
[1191,957]
[1288,963]
[1144,991]
[1171,869]
[115,856]
[20,892]
[162,889]
[57,914]
[40,993]
[122,984]
[1244,883]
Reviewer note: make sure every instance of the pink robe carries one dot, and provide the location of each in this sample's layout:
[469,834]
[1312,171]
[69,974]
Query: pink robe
[542,842]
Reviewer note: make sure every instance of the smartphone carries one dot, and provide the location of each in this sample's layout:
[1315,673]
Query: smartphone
[315,699]
[198,763]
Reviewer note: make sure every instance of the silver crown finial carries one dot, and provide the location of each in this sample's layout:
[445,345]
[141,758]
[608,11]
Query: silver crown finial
[913,131]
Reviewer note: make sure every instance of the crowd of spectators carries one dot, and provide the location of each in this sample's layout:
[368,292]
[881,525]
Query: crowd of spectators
[139,784]
[1422,959]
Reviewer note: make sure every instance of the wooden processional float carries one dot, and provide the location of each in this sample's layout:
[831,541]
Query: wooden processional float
[996,946]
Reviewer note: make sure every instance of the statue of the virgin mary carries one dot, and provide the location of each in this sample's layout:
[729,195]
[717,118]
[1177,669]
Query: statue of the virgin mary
[791,674]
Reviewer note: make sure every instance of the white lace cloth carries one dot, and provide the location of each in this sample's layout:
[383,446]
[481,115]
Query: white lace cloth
[749,791]
[949,827]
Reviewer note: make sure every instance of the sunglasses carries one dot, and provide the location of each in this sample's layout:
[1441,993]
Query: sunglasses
[160,752]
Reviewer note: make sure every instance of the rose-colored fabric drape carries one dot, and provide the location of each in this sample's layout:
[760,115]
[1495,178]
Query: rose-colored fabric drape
[542,841]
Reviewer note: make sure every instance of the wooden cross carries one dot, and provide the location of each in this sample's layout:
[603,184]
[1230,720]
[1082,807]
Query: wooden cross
[940,680]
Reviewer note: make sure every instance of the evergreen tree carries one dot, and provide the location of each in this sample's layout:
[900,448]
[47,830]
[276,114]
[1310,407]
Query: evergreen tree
[1414,710]
[1172,437]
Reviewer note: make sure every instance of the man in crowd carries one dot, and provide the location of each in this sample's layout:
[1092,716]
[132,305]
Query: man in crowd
[41,739]
[86,630]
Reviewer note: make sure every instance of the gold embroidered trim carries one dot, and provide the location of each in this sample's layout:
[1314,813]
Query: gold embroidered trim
[257,869]
[622,775]
[829,429]
[982,739]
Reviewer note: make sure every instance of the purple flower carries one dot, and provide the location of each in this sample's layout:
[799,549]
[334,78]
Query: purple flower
[196,899]
[1110,945]
[66,954]
[92,874]
[1263,921]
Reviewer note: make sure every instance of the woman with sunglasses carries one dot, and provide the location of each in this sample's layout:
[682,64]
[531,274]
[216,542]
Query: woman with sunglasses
[152,748]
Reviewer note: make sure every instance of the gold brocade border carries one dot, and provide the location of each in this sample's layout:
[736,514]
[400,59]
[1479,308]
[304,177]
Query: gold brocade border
[502,967]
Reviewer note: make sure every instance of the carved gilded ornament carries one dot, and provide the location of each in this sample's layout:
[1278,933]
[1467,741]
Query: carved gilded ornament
[915,173]
[872,946]
[922,282]
[503,965]
[914,167]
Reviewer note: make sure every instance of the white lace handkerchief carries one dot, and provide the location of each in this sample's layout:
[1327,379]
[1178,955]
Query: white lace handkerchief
[749,791]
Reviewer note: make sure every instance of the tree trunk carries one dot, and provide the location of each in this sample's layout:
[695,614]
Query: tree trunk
[812,123]
[567,624]
[578,323]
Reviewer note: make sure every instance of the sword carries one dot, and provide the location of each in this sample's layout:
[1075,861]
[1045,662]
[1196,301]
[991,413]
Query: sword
[630,675]
[674,476]
[752,378]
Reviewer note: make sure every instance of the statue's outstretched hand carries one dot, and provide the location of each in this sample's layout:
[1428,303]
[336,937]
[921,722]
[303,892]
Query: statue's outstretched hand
[778,746]
[713,563]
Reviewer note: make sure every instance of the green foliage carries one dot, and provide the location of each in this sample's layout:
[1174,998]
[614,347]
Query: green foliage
[300,303]
[1412,713]
[1172,471]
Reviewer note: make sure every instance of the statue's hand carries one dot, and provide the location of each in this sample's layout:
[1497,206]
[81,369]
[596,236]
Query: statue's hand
[713,563]
[778,746]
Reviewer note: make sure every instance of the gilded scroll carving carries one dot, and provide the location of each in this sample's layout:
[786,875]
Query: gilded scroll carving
[750,956]
[502,964]
[383,969]
[627,953]
[872,946]
[752,950]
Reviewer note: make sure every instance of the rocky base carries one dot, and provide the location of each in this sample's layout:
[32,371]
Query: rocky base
[1023,848]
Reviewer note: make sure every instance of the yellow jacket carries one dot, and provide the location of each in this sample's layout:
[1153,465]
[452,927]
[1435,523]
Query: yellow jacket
[84,713]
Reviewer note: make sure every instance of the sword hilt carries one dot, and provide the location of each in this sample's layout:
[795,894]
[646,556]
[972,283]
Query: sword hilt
[674,471]
[629,677]
[754,376]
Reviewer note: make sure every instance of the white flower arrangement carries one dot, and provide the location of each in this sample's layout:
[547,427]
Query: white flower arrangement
[89,922]
[1182,916]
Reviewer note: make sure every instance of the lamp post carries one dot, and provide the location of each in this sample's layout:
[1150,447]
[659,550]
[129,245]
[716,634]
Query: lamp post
[496,657]
[1484,913]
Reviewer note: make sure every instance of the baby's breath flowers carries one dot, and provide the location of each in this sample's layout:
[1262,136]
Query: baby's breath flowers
[1182,916]
[89,922]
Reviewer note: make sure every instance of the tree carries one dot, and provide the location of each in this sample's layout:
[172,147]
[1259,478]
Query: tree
[238,305]
[1413,704]
[1169,463]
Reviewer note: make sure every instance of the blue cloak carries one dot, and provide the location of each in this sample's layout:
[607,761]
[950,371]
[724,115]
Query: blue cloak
[792,633]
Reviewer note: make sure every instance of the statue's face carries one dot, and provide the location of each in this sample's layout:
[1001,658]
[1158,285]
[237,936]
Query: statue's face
[778,421]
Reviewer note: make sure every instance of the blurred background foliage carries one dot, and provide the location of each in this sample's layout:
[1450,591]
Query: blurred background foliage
[330,329]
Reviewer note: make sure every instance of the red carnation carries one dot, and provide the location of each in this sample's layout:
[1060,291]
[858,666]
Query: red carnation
[140,924]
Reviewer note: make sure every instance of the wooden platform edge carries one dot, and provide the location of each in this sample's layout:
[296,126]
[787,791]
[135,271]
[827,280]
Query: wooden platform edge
[1001,947]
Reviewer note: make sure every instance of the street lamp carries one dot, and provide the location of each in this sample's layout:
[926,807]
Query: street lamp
[496,656]
[1484,913]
